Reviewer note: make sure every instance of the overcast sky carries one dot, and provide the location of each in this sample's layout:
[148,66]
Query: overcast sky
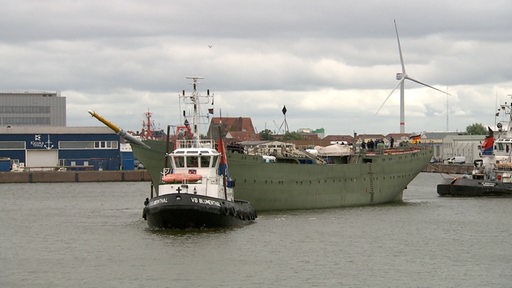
[332,63]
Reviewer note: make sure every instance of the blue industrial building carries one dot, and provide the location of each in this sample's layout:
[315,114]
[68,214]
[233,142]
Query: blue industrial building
[70,148]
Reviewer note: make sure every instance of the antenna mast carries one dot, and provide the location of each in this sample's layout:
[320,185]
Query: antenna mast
[285,123]
[196,100]
[447,114]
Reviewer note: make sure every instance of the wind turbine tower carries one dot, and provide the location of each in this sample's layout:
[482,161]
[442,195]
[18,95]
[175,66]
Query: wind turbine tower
[401,77]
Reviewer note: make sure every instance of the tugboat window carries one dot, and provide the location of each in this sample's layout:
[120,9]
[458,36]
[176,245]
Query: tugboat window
[179,162]
[192,161]
[205,161]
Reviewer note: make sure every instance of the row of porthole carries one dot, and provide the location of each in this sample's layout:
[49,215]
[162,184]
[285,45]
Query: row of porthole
[400,157]
[416,155]
[245,156]
[298,182]
[325,181]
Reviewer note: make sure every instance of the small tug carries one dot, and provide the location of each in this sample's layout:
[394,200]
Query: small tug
[492,175]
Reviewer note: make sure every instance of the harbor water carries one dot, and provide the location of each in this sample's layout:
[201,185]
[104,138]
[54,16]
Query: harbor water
[92,235]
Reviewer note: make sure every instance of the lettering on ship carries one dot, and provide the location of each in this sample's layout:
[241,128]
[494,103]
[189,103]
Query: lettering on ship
[157,201]
[205,201]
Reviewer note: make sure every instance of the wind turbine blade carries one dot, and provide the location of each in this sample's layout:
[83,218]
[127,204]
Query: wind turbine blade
[424,84]
[400,49]
[397,85]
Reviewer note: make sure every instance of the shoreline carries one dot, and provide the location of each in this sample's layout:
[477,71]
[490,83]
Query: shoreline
[143,175]
[449,168]
[74,176]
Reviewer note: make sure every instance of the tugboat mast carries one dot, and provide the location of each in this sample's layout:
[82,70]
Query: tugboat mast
[507,110]
[196,100]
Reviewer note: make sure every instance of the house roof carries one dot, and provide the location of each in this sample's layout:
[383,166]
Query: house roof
[236,128]
[240,135]
[346,138]
[397,136]
[439,135]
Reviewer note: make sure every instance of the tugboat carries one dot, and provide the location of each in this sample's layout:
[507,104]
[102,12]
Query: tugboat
[492,175]
[194,190]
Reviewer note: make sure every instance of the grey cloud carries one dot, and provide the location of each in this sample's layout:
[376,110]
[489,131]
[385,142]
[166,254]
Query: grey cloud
[135,53]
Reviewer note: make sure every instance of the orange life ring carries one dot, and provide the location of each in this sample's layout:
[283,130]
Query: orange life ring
[180,178]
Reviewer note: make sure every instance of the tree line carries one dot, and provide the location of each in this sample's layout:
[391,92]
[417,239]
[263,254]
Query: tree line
[473,129]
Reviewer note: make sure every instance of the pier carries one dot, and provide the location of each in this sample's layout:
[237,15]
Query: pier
[449,168]
[143,175]
[73,176]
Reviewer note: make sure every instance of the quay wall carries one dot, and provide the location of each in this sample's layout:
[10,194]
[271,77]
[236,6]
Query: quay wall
[449,168]
[73,176]
[143,175]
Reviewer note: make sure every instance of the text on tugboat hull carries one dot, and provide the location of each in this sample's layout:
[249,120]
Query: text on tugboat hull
[205,201]
[157,201]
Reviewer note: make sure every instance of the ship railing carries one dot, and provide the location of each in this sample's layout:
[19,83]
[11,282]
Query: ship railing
[387,151]
[202,143]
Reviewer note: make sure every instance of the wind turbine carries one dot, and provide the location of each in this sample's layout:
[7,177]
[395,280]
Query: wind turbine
[401,77]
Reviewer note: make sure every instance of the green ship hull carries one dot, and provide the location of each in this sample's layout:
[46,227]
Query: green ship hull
[374,180]
[368,179]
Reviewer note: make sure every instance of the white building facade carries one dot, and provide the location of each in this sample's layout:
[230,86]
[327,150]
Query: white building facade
[462,145]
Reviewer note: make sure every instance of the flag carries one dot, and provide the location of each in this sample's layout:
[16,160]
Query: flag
[487,146]
[415,139]
[223,164]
